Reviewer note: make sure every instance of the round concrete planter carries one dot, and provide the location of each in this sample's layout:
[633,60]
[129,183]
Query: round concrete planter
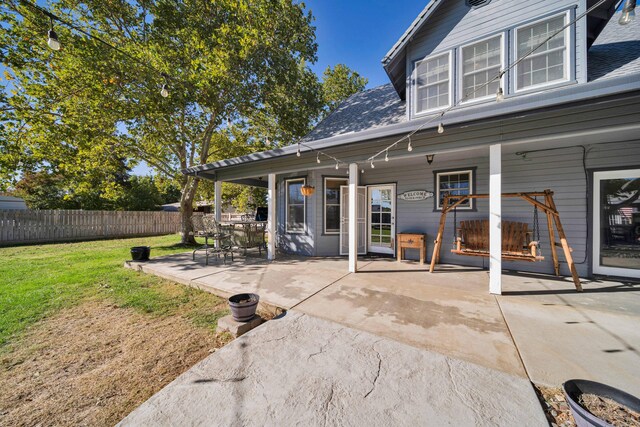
[573,389]
[243,306]
[140,253]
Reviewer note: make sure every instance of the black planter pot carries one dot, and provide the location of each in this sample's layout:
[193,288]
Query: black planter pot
[140,253]
[243,306]
[573,389]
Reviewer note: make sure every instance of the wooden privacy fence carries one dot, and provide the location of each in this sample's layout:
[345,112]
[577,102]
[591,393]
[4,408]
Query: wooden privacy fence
[40,226]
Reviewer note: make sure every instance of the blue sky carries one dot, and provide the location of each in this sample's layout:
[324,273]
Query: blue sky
[359,33]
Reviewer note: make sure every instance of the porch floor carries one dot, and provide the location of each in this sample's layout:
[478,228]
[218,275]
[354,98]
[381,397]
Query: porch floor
[539,328]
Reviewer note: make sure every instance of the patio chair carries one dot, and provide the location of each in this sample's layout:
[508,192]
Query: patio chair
[257,233]
[207,227]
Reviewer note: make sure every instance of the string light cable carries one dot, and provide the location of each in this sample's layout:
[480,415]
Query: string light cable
[54,43]
[499,93]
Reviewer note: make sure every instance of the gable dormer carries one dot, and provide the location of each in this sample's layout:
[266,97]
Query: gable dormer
[455,46]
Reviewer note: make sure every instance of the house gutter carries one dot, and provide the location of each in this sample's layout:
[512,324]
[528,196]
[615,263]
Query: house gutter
[573,94]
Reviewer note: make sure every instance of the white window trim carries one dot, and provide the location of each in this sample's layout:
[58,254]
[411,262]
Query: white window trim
[286,202]
[568,54]
[503,57]
[324,202]
[414,90]
[455,172]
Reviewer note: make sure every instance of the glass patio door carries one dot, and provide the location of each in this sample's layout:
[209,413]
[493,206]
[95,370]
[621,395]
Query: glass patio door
[616,223]
[381,218]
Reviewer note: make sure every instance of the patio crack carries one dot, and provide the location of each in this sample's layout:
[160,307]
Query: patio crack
[327,403]
[324,346]
[375,379]
[458,393]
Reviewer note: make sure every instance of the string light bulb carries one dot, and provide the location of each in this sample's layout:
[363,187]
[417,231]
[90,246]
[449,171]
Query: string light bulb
[52,38]
[386,156]
[298,153]
[165,87]
[372,165]
[499,95]
[318,158]
[337,165]
[628,12]
[409,146]
[441,128]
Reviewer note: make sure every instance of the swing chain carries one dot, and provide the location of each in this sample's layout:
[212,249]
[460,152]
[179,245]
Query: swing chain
[455,226]
[536,226]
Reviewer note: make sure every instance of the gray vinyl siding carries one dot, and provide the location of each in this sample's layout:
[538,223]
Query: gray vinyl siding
[560,170]
[455,24]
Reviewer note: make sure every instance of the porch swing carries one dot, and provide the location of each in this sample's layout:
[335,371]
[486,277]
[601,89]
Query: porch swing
[518,244]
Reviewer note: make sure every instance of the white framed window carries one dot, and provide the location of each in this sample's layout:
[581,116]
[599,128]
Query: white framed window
[295,206]
[549,64]
[480,63]
[332,204]
[454,183]
[432,83]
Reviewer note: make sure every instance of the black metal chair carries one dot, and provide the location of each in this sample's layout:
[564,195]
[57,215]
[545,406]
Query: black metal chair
[207,227]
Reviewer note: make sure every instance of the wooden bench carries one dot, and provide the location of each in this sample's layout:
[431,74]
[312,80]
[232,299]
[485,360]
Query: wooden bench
[517,242]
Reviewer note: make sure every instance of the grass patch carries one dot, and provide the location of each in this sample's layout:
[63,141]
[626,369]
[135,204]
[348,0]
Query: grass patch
[39,280]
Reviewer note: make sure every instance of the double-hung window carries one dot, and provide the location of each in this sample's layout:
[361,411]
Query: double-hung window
[295,206]
[481,63]
[332,204]
[433,83]
[548,63]
[454,183]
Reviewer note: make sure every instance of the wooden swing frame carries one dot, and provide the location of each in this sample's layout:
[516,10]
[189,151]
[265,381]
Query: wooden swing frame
[548,206]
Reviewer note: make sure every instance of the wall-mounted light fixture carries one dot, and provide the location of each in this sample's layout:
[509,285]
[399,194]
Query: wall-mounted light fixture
[430,158]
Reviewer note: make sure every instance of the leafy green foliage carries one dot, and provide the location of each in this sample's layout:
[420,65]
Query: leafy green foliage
[42,190]
[235,73]
[238,82]
[338,84]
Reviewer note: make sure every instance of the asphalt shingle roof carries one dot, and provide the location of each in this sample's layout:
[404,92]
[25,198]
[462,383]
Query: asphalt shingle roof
[369,109]
[616,52]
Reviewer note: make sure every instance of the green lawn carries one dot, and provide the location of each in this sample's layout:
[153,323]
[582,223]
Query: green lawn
[38,280]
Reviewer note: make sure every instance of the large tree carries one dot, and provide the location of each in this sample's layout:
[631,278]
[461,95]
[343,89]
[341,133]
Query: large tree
[231,67]
[339,83]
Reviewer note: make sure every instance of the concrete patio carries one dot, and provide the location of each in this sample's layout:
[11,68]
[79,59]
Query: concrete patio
[302,370]
[540,328]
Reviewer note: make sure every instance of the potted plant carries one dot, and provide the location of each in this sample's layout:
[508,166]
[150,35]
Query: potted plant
[243,306]
[599,405]
[140,253]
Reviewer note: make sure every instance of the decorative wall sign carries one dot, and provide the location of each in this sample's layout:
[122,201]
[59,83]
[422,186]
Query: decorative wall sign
[415,195]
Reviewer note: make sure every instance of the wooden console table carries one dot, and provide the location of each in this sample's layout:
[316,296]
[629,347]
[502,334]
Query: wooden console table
[412,241]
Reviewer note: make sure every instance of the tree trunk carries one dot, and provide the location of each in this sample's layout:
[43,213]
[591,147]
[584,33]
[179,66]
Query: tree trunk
[189,187]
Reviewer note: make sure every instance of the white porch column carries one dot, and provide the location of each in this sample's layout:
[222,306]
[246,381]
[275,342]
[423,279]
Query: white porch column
[271,217]
[217,208]
[217,186]
[495,217]
[353,217]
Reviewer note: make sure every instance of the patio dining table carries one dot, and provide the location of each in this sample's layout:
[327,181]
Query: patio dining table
[247,234]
